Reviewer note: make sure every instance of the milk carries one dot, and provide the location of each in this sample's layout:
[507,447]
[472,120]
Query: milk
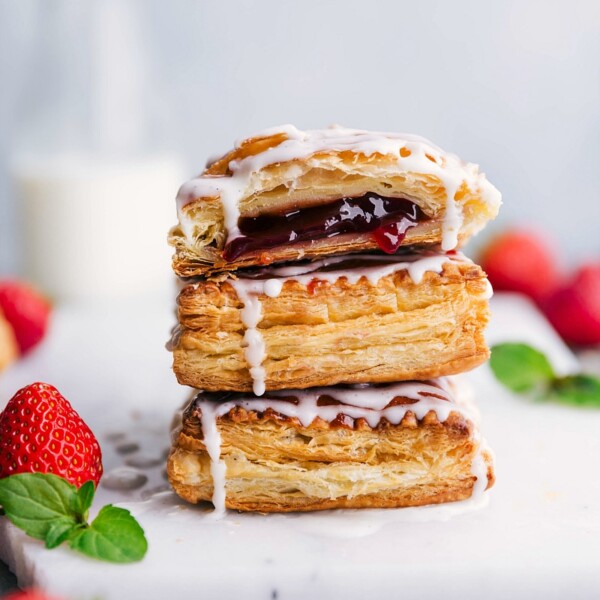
[96,228]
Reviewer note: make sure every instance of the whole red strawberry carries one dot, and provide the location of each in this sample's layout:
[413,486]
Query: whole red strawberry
[40,432]
[520,261]
[26,311]
[574,308]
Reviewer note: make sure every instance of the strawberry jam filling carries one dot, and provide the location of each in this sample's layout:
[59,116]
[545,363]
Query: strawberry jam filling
[387,219]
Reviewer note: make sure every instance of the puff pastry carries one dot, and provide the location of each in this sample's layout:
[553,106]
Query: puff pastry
[263,201]
[344,320]
[8,344]
[395,445]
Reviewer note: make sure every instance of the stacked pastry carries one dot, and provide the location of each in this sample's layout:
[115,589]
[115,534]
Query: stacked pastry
[326,309]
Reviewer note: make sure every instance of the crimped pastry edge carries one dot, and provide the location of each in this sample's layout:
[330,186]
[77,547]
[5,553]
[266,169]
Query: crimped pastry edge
[456,425]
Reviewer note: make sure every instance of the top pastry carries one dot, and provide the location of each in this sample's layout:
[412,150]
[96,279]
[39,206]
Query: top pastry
[285,194]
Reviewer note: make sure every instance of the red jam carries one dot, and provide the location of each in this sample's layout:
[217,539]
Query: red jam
[388,219]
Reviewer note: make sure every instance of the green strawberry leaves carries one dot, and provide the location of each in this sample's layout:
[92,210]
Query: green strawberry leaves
[525,370]
[49,508]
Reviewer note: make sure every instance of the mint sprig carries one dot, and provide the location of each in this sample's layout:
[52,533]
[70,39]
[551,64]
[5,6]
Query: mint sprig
[49,508]
[526,370]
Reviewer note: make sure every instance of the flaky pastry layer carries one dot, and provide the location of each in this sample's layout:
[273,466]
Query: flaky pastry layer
[287,170]
[275,464]
[326,333]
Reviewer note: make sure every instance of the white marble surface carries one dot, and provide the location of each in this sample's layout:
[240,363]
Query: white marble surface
[539,536]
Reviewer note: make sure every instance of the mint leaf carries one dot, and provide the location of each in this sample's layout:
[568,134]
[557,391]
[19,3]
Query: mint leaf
[49,508]
[114,536]
[58,532]
[520,367]
[34,502]
[524,369]
[582,390]
[85,497]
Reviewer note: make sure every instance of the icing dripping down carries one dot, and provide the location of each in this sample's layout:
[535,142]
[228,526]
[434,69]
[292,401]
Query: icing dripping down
[412,153]
[218,469]
[453,220]
[369,402]
[253,343]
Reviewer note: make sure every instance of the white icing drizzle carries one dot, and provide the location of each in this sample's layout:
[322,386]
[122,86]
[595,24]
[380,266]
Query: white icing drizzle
[359,402]
[422,157]
[254,345]
[416,265]
[218,469]
[250,289]
[272,287]
[453,220]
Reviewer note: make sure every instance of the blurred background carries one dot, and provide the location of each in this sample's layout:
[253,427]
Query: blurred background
[106,106]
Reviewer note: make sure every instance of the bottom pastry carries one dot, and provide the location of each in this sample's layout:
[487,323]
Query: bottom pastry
[383,446]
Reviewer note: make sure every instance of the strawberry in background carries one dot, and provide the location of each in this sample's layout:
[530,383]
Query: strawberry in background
[574,307]
[521,261]
[24,317]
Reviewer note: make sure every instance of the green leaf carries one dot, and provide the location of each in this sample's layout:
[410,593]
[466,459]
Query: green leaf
[114,536]
[520,367]
[35,501]
[59,531]
[581,390]
[49,508]
[85,497]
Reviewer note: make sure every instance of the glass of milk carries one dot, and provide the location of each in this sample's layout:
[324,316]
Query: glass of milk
[92,228]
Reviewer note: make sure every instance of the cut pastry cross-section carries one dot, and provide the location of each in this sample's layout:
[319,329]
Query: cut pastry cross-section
[406,444]
[352,319]
[285,194]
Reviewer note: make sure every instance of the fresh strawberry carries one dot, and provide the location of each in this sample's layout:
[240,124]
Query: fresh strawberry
[40,432]
[31,594]
[520,261]
[574,309]
[27,312]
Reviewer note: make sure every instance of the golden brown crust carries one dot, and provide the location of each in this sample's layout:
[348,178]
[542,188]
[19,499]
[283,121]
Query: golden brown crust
[320,178]
[275,464]
[8,344]
[337,332]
